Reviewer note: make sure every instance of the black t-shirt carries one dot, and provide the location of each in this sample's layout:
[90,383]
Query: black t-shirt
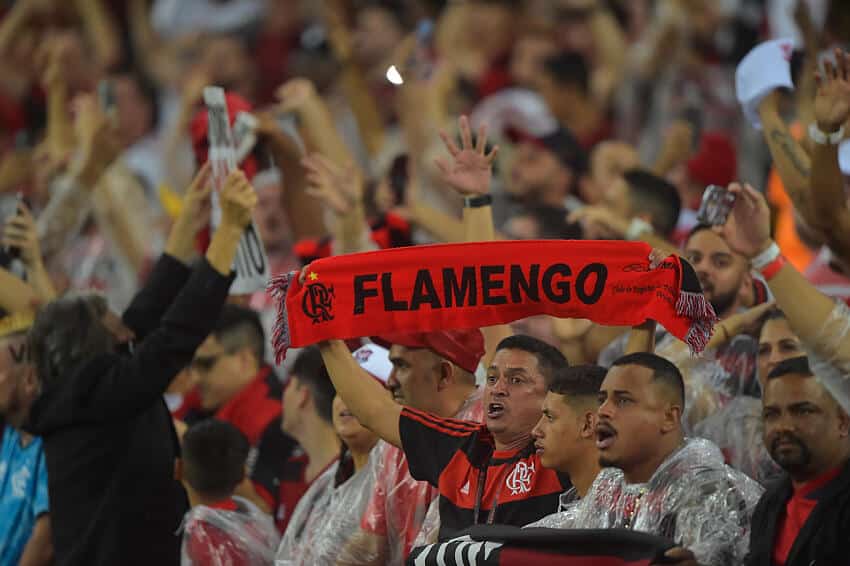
[460,460]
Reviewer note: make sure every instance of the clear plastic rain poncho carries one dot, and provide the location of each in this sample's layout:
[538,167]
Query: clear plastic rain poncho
[220,537]
[711,380]
[829,354]
[326,517]
[401,510]
[738,431]
[693,498]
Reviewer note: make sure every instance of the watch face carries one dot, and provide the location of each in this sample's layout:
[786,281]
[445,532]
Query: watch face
[717,203]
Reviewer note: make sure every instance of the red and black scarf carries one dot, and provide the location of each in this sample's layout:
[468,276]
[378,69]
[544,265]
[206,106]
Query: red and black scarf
[426,288]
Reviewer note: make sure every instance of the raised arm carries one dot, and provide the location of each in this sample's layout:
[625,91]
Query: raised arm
[340,188]
[790,159]
[748,232]
[132,384]
[832,112]
[364,396]
[20,232]
[170,273]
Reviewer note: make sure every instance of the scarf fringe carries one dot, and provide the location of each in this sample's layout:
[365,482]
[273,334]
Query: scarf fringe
[278,288]
[695,307]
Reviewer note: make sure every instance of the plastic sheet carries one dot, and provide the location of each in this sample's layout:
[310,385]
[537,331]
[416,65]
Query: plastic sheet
[738,431]
[711,380]
[326,517]
[829,354]
[221,537]
[693,498]
[400,508]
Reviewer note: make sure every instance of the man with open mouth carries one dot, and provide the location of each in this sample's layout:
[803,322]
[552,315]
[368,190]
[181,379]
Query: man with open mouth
[485,473]
[432,372]
[657,481]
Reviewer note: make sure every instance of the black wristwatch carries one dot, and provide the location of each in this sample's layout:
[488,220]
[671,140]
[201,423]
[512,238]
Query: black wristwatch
[477,201]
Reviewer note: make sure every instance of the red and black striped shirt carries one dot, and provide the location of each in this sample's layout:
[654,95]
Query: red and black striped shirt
[459,458]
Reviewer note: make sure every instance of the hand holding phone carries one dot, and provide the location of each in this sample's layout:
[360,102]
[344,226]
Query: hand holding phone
[717,203]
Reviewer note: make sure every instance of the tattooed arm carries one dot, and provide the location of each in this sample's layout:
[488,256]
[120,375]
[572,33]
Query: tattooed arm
[791,161]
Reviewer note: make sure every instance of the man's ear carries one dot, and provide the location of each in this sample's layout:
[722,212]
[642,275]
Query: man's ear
[672,418]
[31,383]
[588,425]
[843,423]
[445,374]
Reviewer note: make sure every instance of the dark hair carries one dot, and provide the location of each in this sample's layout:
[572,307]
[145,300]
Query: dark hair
[654,195]
[580,382]
[146,87]
[696,230]
[549,358]
[309,369]
[66,334]
[569,68]
[214,454]
[552,222]
[791,366]
[663,370]
[240,327]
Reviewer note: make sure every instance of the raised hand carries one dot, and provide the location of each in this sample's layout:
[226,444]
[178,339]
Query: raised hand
[339,186]
[20,232]
[832,101]
[470,172]
[238,199]
[747,230]
[293,95]
[96,137]
[197,204]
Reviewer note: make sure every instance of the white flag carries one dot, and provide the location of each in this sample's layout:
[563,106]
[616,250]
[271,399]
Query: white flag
[251,263]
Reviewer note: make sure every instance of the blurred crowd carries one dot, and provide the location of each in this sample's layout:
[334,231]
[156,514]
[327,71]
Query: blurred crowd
[170,434]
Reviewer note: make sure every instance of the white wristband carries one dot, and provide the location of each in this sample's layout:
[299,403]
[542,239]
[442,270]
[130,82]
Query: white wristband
[824,138]
[636,228]
[766,257]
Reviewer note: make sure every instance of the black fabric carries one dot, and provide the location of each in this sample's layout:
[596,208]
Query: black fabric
[504,545]
[824,538]
[108,437]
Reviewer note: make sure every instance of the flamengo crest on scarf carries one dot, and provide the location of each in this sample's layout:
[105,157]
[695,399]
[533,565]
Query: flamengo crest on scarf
[472,285]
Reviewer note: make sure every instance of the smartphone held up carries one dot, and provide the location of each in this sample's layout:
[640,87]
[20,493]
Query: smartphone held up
[717,204]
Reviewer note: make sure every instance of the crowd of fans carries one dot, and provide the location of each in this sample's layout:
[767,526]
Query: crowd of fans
[170,434]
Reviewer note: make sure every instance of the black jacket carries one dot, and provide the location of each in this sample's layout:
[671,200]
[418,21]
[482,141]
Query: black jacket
[824,539]
[108,437]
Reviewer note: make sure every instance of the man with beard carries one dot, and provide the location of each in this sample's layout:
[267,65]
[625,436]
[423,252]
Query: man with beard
[803,519]
[654,479]
[486,473]
[432,372]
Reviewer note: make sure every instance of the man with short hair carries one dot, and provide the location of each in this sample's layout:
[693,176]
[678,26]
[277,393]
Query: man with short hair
[432,372]
[220,528]
[565,436]
[235,385]
[307,407]
[486,473]
[657,481]
[803,518]
[24,510]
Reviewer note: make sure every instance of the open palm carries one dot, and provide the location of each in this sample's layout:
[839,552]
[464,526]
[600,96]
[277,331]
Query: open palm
[832,102]
[470,169]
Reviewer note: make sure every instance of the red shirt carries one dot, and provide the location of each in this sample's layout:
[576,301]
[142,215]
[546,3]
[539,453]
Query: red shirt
[293,485]
[207,544]
[797,511]
[253,408]
[455,456]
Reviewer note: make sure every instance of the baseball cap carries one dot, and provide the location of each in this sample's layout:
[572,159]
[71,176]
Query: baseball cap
[561,142]
[464,348]
[375,360]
